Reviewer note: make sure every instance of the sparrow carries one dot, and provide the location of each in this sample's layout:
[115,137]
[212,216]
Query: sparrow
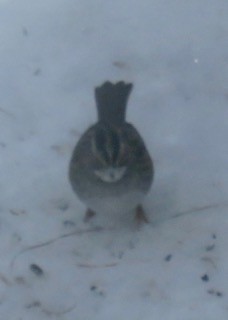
[110,169]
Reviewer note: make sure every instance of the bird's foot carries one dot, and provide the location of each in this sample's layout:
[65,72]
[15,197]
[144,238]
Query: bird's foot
[89,215]
[140,216]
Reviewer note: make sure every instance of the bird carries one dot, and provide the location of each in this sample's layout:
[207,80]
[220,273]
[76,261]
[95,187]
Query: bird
[111,169]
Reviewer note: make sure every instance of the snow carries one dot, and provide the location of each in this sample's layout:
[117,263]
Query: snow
[52,55]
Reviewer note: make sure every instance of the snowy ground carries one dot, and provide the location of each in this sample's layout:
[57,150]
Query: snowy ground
[52,54]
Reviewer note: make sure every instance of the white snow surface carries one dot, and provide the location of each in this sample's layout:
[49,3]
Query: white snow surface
[52,55]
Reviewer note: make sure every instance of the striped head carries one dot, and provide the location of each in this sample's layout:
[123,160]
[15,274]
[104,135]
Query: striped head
[108,149]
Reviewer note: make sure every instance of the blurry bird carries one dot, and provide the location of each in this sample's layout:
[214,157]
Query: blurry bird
[111,169]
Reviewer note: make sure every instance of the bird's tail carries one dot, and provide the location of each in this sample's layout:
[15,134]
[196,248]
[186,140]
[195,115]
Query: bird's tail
[111,100]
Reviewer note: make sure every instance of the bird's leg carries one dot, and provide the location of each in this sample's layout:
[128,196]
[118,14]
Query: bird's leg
[140,215]
[89,215]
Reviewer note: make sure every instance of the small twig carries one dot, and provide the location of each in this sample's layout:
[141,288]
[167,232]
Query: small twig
[5,280]
[194,210]
[60,313]
[198,209]
[9,114]
[17,212]
[210,261]
[51,241]
[97,266]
